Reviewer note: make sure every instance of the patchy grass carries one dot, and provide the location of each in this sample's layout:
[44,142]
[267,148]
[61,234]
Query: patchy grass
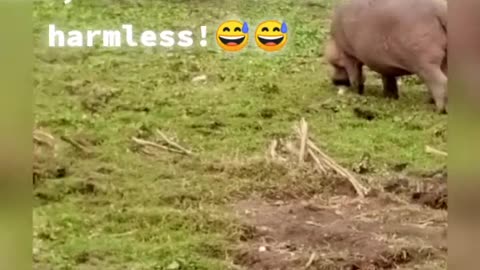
[116,208]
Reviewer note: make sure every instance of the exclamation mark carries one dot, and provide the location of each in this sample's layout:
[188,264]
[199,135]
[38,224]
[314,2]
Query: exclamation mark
[203,30]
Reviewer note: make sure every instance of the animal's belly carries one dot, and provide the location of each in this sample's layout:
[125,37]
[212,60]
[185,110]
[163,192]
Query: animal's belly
[387,69]
[387,55]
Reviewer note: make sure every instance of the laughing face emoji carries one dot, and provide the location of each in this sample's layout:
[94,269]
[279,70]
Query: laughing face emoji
[271,35]
[232,35]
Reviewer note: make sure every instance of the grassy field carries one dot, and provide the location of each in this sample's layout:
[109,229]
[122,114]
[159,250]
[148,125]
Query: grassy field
[106,205]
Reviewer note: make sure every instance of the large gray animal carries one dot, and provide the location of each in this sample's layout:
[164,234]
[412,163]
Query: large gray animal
[393,38]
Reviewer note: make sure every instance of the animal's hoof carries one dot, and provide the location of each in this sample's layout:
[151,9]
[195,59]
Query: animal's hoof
[361,89]
[442,110]
[392,96]
[341,82]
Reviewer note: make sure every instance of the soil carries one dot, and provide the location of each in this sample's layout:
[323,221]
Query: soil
[403,226]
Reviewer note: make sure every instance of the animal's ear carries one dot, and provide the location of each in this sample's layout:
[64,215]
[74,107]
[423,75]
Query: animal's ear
[284,27]
[245,27]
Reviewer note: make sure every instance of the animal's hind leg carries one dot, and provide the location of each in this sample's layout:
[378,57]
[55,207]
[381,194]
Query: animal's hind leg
[444,65]
[390,87]
[436,82]
[361,78]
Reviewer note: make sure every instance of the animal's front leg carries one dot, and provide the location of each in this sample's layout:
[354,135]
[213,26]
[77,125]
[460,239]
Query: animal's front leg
[390,87]
[355,75]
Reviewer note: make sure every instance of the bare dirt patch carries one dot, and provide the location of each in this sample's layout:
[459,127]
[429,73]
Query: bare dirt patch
[391,222]
[402,227]
[427,189]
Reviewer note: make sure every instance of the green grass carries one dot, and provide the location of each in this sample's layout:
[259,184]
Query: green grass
[119,209]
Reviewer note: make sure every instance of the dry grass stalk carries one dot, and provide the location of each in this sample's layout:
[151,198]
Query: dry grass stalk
[75,144]
[174,144]
[306,148]
[44,138]
[312,223]
[41,135]
[146,143]
[328,161]
[303,140]
[272,154]
[273,149]
[318,163]
[311,260]
[170,147]
[359,188]
[432,150]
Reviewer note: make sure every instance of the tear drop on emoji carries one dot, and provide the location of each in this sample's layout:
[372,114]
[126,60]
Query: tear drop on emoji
[271,35]
[232,35]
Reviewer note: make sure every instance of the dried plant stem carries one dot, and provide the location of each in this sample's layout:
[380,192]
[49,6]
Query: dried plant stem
[303,140]
[75,144]
[432,150]
[311,260]
[155,145]
[273,149]
[41,137]
[174,144]
[317,161]
[37,133]
[359,188]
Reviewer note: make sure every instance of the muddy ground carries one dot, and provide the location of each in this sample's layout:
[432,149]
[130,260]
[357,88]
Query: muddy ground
[402,226]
